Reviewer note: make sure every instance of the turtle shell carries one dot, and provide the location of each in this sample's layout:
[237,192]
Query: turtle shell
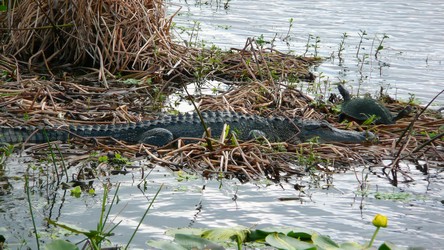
[360,109]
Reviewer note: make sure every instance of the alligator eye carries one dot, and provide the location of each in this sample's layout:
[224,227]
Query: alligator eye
[325,125]
[313,126]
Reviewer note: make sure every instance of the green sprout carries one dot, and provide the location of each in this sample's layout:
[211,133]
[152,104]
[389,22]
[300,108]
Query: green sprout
[380,46]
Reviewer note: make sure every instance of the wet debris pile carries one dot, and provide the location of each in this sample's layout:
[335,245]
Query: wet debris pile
[416,140]
[55,103]
[106,62]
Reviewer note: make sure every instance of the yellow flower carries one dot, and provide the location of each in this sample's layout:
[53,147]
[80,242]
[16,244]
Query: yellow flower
[380,220]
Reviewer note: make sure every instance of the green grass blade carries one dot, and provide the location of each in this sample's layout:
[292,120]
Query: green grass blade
[31,212]
[143,217]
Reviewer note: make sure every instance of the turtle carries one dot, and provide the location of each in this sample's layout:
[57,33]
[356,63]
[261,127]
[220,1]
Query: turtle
[360,109]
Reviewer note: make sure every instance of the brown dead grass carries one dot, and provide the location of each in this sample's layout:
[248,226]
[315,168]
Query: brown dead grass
[130,38]
[36,102]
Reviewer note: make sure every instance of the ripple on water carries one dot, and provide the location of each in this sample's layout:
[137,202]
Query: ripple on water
[414,49]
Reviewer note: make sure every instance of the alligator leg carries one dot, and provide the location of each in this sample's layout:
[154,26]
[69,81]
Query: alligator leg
[341,117]
[157,137]
[255,134]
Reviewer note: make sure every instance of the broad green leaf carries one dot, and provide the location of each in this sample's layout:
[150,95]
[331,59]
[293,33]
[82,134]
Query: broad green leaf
[288,230]
[283,241]
[258,235]
[352,246]
[60,244]
[186,230]
[390,246]
[165,245]
[302,234]
[195,242]
[324,242]
[226,234]
[72,229]
[297,233]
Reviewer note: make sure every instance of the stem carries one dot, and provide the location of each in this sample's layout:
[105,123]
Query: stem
[30,211]
[143,217]
[373,237]
[204,125]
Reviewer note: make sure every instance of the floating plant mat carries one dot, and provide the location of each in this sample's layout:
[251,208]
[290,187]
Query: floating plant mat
[33,102]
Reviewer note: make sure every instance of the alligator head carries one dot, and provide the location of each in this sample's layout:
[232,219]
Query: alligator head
[325,132]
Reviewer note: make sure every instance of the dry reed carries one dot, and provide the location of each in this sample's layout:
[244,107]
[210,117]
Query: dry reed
[131,38]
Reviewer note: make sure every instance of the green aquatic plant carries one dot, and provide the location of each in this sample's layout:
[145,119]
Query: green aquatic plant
[269,238]
[287,37]
[4,6]
[380,46]
[225,27]
[361,34]
[312,42]
[371,119]
[395,196]
[182,176]
[143,217]
[96,237]
[6,150]
[342,45]
[194,33]
[261,41]
[28,196]
[76,191]
[310,158]
[413,100]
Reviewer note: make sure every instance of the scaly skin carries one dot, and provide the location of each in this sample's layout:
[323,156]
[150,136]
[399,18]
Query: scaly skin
[163,130]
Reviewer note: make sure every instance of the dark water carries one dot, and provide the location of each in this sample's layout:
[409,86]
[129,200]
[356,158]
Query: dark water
[410,63]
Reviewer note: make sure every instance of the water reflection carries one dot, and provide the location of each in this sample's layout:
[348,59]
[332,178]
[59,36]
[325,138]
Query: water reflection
[338,209]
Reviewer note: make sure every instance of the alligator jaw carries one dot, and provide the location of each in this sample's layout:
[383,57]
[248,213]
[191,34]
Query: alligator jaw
[325,133]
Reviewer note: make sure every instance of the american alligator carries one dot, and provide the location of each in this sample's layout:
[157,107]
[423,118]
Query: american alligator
[169,127]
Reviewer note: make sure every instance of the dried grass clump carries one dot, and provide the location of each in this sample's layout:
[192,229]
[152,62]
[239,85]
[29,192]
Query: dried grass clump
[263,98]
[133,38]
[253,62]
[112,35]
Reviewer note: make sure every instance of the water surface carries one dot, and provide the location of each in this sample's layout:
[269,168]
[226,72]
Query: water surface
[411,61]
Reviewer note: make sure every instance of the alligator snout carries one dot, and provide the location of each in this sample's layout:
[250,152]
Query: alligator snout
[325,133]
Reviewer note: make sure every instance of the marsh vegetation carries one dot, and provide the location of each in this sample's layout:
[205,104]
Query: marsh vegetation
[114,62]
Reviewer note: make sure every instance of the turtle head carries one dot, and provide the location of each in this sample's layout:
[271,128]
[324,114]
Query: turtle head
[345,94]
